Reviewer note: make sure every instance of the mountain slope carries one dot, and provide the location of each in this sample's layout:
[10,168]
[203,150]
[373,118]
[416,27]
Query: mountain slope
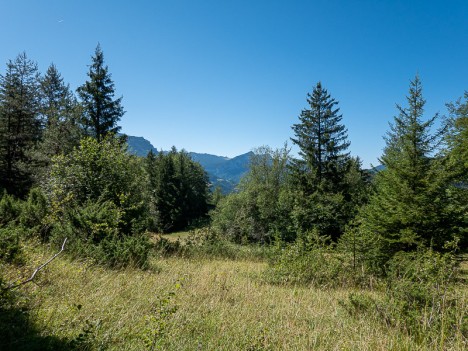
[222,171]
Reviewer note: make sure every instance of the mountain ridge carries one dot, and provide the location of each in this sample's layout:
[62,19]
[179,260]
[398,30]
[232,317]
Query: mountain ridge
[223,172]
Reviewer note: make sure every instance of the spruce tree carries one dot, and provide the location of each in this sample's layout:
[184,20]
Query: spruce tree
[408,208]
[457,154]
[322,142]
[458,137]
[319,175]
[61,114]
[101,111]
[20,124]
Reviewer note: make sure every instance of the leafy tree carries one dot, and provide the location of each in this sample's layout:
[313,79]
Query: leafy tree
[97,173]
[260,211]
[408,208]
[101,111]
[20,125]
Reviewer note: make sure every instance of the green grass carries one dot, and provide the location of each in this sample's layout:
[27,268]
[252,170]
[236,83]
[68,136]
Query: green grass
[192,304]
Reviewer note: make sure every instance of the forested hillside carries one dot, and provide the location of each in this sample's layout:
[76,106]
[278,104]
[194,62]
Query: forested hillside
[385,249]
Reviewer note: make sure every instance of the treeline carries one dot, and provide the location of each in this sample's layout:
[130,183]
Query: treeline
[399,232]
[65,171]
[419,199]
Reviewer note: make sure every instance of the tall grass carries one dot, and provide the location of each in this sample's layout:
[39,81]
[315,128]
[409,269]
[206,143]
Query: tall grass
[195,304]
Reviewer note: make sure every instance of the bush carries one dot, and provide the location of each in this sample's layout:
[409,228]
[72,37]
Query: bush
[309,261]
[34,212]
[100,172]
[10,248]
[93,231]
[420,297]
[10,209]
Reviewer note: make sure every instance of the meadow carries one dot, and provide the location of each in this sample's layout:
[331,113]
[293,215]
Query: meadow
[196,303]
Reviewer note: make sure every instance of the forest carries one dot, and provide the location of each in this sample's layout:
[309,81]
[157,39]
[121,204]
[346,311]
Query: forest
[101,249]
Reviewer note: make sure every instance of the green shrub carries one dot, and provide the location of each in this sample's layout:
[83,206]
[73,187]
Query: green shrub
[10,247]
[310,261]
[34,212]
[93,231]
[10,209]
[420,298]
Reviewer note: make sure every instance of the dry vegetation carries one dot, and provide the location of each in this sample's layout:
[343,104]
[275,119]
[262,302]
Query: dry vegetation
[195,304]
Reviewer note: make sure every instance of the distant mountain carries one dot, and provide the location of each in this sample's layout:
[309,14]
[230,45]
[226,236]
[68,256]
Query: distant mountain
[222,171]
[139,146]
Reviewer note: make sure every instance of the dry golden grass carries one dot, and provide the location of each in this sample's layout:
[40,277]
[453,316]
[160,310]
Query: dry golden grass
[222,305]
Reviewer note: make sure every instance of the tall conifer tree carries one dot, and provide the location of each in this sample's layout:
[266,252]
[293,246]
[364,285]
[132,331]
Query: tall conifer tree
[322,141]
[408,208]
[20,125]
[101,111]
[321,189]
[61,115]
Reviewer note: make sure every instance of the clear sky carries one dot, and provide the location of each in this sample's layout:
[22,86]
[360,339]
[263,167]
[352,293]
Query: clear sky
[225,76]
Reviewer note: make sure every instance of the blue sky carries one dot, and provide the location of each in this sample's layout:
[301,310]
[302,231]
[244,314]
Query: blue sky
[223,77]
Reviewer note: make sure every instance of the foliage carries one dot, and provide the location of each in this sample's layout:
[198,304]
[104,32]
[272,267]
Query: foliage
[97,202]
[157,323]
[322,141]
[420,298]
[10,210]
[93,231]
[178,190]
[310,261]
[327,182]
[10,233]
[20,124]
[261,209]
[457,154]
[100,172]
[60,115]
[409,207]
[34,218]
[10,246]
[101,111]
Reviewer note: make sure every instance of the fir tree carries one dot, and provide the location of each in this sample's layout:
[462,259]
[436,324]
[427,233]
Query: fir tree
[458,137]
[20,124]
[457,142]
[321,190]
[408,207]
[60,116]
[322,142]
[101,111]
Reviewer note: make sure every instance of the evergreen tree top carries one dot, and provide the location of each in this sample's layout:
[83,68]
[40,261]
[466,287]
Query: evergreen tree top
[101,111]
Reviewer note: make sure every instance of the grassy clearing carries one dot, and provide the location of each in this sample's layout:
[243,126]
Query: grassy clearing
[217,305]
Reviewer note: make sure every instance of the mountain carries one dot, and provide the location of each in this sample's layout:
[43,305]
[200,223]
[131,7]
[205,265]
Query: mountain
[222,171]
[139,146]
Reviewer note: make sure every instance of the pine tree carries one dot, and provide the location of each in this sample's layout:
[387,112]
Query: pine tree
[408,207]
[101,111]
[20,124]
[60,115]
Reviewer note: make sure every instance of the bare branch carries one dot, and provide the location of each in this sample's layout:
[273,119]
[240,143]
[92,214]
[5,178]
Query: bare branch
[14,286]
